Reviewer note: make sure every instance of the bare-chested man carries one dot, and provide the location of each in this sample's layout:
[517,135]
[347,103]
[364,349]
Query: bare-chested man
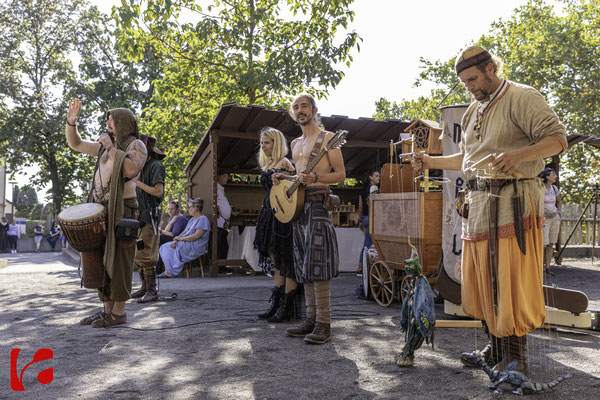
[122,156]
[316,258]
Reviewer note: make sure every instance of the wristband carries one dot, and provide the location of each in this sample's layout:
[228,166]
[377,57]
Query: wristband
[70,124]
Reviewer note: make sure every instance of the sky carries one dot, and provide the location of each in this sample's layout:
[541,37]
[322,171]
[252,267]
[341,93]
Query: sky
[396,34]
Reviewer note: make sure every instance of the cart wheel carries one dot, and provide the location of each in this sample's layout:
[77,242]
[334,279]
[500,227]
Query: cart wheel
[404,288]
[381,282]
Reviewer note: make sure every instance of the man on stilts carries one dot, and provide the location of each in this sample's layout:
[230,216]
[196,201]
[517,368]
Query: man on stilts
[502,260]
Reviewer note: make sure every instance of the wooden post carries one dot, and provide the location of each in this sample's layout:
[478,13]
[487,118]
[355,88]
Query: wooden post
[214,266]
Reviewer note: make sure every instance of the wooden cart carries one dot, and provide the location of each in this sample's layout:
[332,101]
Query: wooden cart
[393,219]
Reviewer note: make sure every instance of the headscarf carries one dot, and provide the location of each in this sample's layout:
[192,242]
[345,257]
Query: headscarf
[469,57]
[126,131]
[126,127]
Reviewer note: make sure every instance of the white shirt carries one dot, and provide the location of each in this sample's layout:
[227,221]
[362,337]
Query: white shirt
[223,206]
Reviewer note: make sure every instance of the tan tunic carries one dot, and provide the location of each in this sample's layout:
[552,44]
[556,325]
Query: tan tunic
[517,118]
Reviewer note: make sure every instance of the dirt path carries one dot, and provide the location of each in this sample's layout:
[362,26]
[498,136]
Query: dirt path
[208,344]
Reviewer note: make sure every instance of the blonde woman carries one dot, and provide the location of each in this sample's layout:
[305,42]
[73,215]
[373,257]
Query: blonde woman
[274,240]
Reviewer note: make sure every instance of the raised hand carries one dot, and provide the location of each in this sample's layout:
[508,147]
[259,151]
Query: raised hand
[73,111]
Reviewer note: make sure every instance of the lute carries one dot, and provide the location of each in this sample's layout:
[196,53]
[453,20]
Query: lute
[287,198]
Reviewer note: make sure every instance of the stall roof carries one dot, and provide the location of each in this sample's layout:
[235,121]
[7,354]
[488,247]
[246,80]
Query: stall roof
[237,127]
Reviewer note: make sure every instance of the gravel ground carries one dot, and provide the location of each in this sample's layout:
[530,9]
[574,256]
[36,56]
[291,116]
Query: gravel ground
[208,344]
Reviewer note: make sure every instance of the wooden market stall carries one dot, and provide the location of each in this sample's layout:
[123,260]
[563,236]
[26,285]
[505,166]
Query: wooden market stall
[231,144]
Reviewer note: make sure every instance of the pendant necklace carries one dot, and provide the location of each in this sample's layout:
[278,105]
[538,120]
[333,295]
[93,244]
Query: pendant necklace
[480,114]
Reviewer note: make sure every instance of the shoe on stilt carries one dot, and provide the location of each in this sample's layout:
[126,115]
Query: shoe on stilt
[304,329]
[321,334]
[492,354]
[286,307]
[515,349]
[151,294]
[142,290]
[277,294]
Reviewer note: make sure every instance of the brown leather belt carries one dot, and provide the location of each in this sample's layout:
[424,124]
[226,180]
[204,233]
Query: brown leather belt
[314,197]
[477,185]
[480,185]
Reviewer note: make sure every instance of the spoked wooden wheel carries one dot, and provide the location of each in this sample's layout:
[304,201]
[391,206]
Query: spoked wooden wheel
[404,288]
[381,282]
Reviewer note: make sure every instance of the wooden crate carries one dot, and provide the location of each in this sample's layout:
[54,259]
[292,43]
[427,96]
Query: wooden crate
[396,217]
[400,179]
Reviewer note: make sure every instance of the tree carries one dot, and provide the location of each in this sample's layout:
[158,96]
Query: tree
[37,76]
[35,39]
[557,53]
[26,201]
[242,51]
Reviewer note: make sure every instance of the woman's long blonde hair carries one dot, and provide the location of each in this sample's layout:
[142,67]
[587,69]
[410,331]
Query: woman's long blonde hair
[280,148]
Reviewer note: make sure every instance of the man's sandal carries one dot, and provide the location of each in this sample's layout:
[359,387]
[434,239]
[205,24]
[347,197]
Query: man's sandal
[92,318]
[109,320]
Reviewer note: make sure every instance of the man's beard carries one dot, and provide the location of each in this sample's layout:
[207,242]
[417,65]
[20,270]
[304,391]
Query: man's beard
[485,94]
[307,121]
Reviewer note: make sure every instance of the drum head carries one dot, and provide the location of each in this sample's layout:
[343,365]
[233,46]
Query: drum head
[81,212]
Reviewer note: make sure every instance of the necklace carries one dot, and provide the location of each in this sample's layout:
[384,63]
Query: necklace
[481,113]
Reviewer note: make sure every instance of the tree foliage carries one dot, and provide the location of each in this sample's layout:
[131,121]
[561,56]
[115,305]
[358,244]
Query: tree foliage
[36,37]
[242,51]
[39,40]
[555,50]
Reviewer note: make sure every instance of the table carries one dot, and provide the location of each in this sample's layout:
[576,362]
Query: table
[350,241]
[241,246]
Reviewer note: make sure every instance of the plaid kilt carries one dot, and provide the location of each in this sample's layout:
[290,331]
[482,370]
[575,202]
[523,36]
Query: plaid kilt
[316,256]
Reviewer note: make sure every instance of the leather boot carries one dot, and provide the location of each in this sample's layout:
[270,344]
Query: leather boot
[321,334]
[304,329]
[142,290]
[286,307]
[515,349]
[151,294]
[276,294]
[492,353]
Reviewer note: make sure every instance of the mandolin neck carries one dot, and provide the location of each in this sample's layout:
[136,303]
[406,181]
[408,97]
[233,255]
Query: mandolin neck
[311,165]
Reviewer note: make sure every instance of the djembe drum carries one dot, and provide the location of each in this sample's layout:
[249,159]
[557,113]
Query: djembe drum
[83,226]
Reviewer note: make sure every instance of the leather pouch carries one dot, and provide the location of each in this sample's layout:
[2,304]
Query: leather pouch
[331,202]
[462,203]
[126,232]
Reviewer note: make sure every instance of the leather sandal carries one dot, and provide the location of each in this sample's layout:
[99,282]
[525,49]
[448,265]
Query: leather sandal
[92,318]
[109,320]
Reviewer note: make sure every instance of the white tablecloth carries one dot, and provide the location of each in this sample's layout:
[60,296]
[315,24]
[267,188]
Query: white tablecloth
[350,241]
[241,246]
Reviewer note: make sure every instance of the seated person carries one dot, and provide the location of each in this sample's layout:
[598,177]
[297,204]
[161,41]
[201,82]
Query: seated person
[175,226]
[189,245]
[54,235]
[38,234]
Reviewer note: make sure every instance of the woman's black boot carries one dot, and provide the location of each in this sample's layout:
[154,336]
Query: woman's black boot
[286,307]
[277,294]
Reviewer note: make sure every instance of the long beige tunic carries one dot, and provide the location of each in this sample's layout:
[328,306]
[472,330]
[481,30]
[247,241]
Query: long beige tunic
[518,117]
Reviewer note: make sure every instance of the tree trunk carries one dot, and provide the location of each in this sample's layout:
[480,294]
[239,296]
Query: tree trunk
[56,192]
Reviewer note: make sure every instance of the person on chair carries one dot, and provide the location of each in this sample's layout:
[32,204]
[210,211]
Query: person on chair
[190,244]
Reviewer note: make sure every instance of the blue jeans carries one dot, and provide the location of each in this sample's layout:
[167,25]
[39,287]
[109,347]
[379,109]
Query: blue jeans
[368,241]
